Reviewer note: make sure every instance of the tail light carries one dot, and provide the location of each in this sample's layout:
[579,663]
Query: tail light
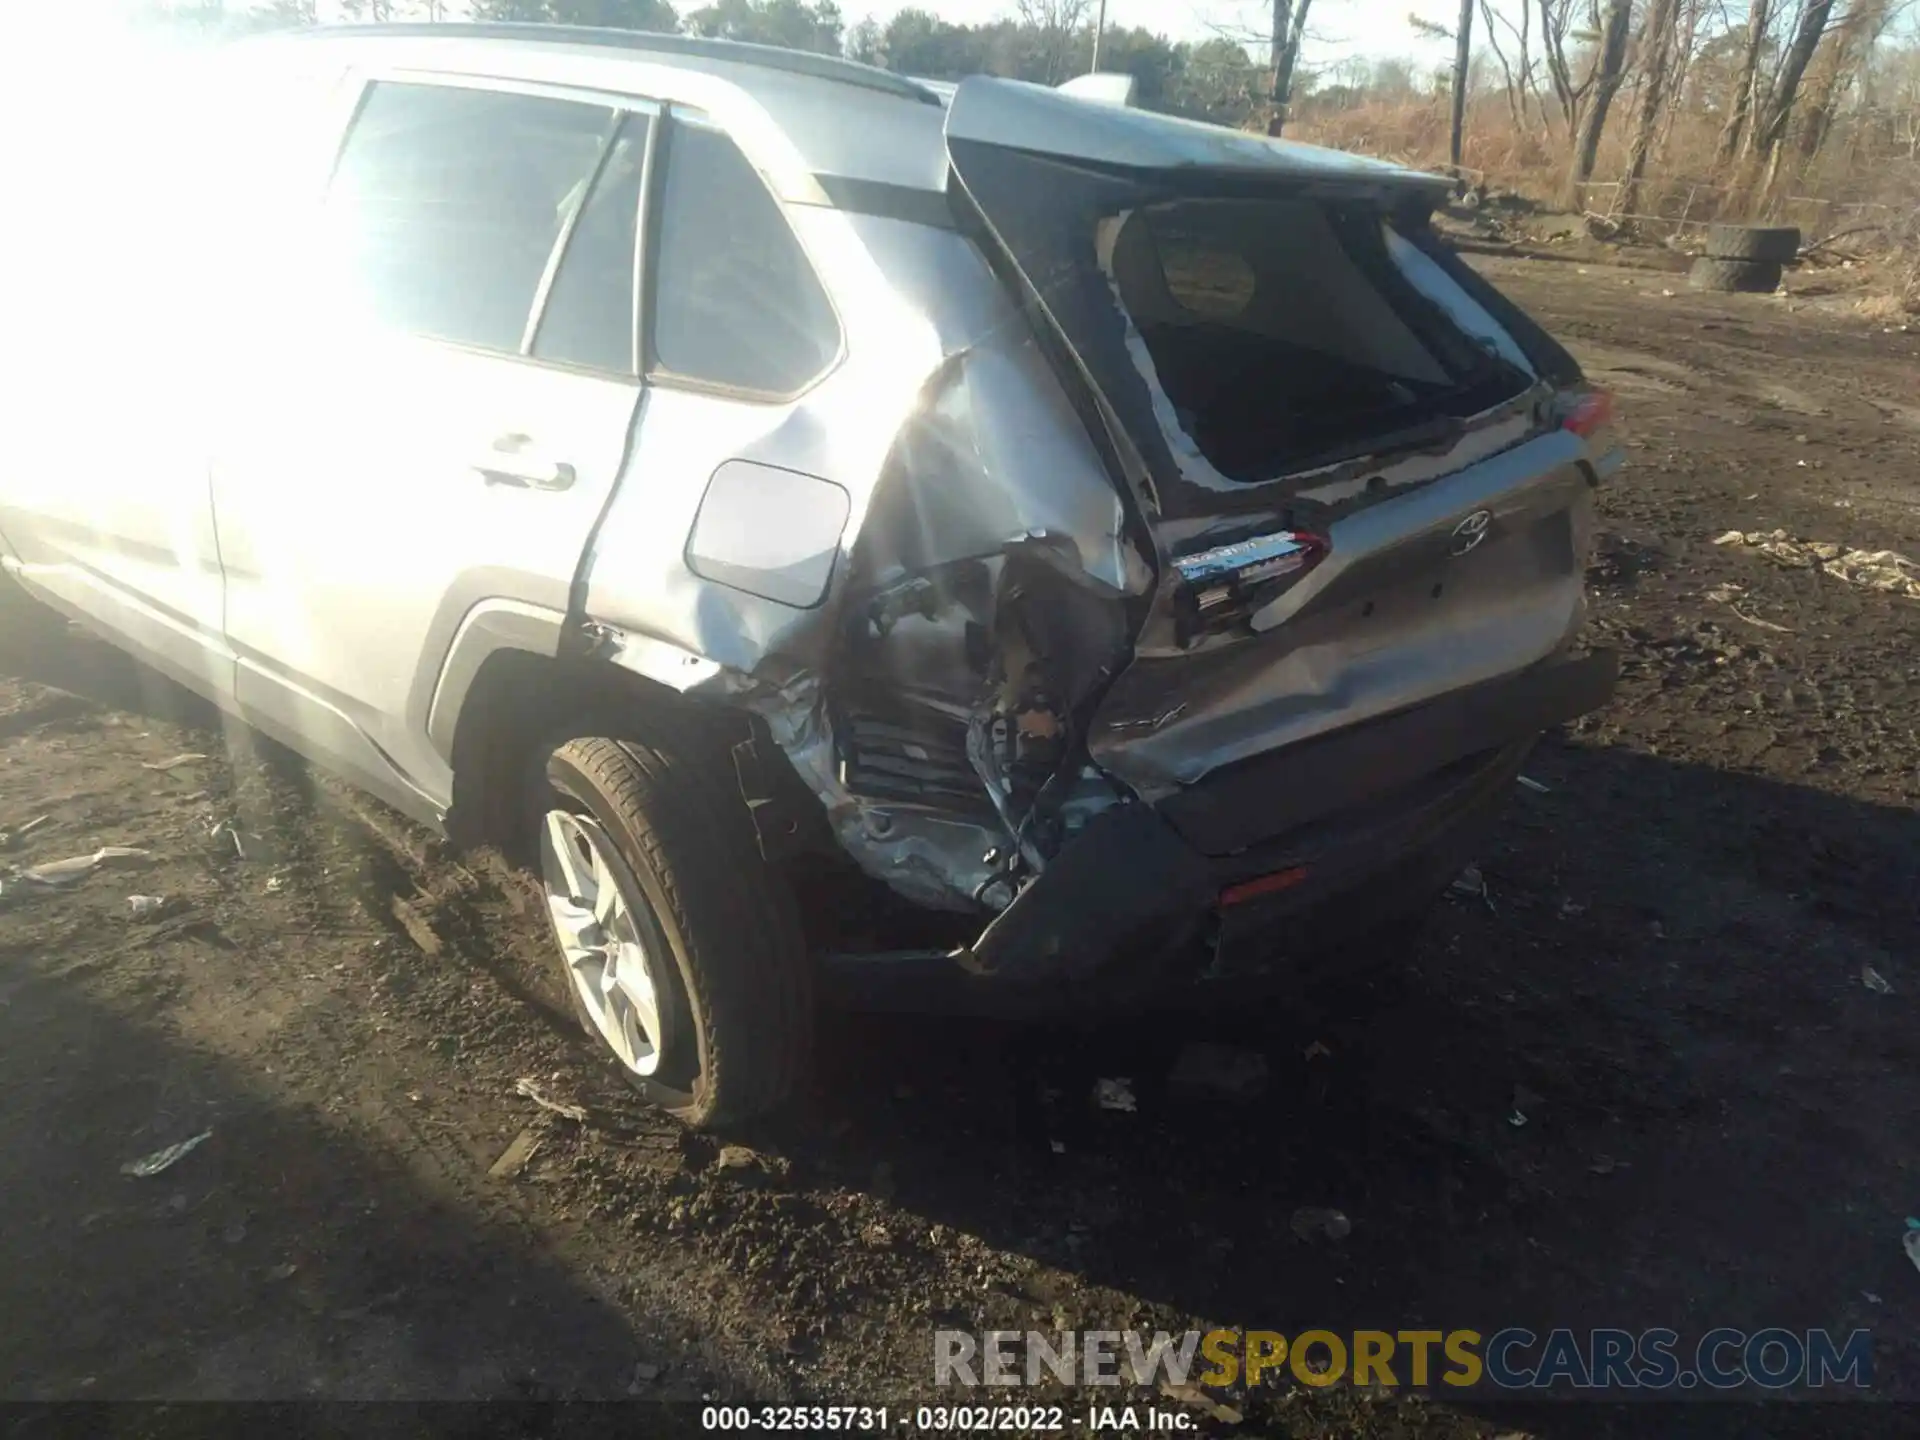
[1227,584]
[1248,891]
[1587,412]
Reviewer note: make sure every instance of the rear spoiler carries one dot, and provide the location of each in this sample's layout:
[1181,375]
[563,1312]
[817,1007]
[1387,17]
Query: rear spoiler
[1103,87]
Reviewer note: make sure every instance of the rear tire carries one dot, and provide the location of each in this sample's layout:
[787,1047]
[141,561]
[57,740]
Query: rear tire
[1744,276]
[711,926]
[1771,244]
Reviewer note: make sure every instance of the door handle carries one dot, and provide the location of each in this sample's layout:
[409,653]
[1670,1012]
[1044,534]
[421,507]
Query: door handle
[514,460]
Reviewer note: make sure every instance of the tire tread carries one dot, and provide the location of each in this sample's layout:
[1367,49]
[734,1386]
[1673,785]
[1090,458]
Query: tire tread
[1766,244]
[738,928]
[1754,277]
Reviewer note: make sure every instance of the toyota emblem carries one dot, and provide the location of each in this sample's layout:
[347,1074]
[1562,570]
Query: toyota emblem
[1471,531]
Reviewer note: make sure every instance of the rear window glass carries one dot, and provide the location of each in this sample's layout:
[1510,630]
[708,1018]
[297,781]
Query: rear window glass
[1284,331]
[1204,279]
[736,302]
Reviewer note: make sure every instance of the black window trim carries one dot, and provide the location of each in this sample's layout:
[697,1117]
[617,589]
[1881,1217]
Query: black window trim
[619,108]
[563,240]
[563,246]
[660,151]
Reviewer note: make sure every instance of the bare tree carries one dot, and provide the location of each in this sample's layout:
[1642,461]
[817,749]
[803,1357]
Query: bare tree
[1837,63]
[1289,29]
[1609,68]
[1656,49]
[1746,85]
[1556,26]
[1057,23]
[1770,120]
[1519,81]
[1462,56]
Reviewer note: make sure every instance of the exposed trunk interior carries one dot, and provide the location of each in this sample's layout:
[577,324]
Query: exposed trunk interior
[1284,335]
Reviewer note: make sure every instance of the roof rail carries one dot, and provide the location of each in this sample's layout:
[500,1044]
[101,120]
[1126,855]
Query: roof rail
[771,57]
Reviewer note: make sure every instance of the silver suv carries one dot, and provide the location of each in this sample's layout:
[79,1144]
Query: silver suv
[978,546]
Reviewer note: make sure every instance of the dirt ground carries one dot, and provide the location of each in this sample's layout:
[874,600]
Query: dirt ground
[1721,1116]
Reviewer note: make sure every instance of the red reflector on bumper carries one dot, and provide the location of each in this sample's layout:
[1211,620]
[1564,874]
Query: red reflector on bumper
[1266,885]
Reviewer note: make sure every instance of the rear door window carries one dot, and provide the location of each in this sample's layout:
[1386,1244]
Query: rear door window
[447,202]
[736,302]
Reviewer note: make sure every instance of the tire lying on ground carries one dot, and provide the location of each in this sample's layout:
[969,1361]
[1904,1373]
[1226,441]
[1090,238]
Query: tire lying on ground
[1773,243]
[1750,276]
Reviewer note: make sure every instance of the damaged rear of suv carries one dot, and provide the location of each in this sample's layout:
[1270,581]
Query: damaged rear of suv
[980,547]
[1356,505]
[1208,595]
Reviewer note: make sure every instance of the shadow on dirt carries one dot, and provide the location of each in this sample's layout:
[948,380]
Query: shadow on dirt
[1640,1083]
[277,1259]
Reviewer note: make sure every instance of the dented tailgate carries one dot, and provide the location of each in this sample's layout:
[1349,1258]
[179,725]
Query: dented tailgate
[1416,524]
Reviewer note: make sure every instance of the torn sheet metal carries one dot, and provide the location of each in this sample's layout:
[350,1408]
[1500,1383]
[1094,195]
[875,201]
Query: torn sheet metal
[938,859]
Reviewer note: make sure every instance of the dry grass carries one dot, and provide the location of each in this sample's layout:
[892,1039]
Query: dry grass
[1897,301]
[1854,180]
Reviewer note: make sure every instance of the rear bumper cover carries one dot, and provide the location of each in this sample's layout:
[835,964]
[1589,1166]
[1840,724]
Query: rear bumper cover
[1141,883]
[1278,792]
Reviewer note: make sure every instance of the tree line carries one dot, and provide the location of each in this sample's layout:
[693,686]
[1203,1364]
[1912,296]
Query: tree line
[1045,41]
[1618,90]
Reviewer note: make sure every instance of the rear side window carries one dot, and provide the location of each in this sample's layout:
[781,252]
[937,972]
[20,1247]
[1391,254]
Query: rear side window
[736,302]
[447,202]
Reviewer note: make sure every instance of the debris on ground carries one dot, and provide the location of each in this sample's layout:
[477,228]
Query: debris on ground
[1114,1094]
[1223,1069]
[1524,1100]
[165,1159]
[515,1158]
[285,1270]
[1875,981]
[1311,1223]
[1471,884]
[643,1376]
[176,762]
[1318,1050]
[147,907]
[418,930]
[227,830]
[531,1088]
[1534,785]
[1728,594]
[750,1166]
[1874,569]
[10,838]
[76,868]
